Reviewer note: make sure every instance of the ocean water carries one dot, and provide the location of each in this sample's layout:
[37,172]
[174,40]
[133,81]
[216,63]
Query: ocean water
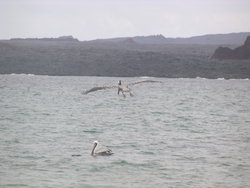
[179,133]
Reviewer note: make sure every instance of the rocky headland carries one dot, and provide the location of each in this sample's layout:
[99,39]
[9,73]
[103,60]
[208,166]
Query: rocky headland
[241,52]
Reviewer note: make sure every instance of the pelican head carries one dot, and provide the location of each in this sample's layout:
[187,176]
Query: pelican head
[95,142]
[120,82]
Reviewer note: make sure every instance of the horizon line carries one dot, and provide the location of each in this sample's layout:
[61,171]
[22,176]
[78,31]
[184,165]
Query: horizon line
[122,37]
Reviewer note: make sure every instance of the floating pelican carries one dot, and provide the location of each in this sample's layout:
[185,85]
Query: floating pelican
[121,88]
[102,151]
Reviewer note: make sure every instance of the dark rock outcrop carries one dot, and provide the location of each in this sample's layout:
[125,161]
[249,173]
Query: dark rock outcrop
[247,42]
[242,52]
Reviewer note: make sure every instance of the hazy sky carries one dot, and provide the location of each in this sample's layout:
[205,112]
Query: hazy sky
[92,19]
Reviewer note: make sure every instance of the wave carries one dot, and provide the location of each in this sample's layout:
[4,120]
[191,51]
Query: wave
[147,77]
[126,163]
[220,79]
[201,78]
[232,78]
[21,74]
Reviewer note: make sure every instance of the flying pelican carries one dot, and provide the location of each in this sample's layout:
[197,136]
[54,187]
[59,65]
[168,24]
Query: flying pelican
[121,88]
[101,151]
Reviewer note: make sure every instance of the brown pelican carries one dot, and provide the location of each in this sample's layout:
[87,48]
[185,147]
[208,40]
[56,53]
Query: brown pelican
[121,88]
[101,151]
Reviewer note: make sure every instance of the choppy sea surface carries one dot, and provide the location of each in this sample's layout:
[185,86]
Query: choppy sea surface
[179,133]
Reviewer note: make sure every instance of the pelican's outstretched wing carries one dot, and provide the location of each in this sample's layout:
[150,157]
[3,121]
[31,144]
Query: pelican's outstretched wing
[99,88]
[142,81]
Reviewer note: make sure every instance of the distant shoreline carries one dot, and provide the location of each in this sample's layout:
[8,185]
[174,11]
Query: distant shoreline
[140,77]
[129,58]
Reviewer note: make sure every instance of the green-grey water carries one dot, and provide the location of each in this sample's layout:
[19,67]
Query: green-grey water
[178,133]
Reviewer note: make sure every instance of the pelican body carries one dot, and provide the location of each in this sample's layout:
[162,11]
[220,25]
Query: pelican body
[121,88]
[101,151]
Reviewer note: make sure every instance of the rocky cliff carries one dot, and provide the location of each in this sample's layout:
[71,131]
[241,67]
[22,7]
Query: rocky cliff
[242,52]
